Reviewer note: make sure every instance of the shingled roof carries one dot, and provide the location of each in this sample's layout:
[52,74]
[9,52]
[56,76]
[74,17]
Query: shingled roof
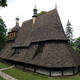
[7,51]
[23,37]
[15,28]
[47,27]
[54,54]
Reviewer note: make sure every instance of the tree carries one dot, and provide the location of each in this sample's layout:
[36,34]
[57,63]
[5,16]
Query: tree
[3,37]
[76,44]
[69,32]
[3,3]
[42,12]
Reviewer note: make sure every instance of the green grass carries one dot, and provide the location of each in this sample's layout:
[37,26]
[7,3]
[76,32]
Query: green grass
[1,78]
[2,65]
[21,75]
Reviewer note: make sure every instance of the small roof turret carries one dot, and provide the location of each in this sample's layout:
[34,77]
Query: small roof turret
[17,21]
[17,27]
[35,12]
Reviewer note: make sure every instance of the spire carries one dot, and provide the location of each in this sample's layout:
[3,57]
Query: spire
[17,21]
[34,14]
[68,23]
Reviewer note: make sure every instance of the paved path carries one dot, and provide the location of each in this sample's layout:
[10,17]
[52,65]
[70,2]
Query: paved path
[6,76]
[7,68]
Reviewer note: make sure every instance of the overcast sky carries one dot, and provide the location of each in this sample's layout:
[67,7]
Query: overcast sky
[67,9]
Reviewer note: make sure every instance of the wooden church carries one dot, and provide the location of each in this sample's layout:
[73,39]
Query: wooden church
[41,46]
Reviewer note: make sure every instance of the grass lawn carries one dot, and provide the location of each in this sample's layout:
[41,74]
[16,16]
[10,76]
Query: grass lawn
[1,78]
[21,75]
[2,65]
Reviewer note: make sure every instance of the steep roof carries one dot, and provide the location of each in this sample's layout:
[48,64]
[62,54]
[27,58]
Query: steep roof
[23,38]
[7,51]
[47,27]
[56,54]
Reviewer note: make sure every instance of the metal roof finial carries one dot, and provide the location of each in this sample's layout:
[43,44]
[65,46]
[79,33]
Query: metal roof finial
[55,6]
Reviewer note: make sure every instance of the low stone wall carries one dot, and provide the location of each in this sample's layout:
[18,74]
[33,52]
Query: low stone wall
[65,72]
[68,72]
[30,69]
[76,70]
[42,71]
[56,73]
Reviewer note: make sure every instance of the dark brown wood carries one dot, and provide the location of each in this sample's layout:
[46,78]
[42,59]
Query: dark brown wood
[78,69]
[50,73]
[34,69]
[73,70]
[62,73]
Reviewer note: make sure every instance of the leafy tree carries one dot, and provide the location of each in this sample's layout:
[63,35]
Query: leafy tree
[42,12]
[3,37]
[3,3]
[76,45]
[69,32]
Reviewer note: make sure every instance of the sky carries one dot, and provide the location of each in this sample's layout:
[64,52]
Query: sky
[67,9]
